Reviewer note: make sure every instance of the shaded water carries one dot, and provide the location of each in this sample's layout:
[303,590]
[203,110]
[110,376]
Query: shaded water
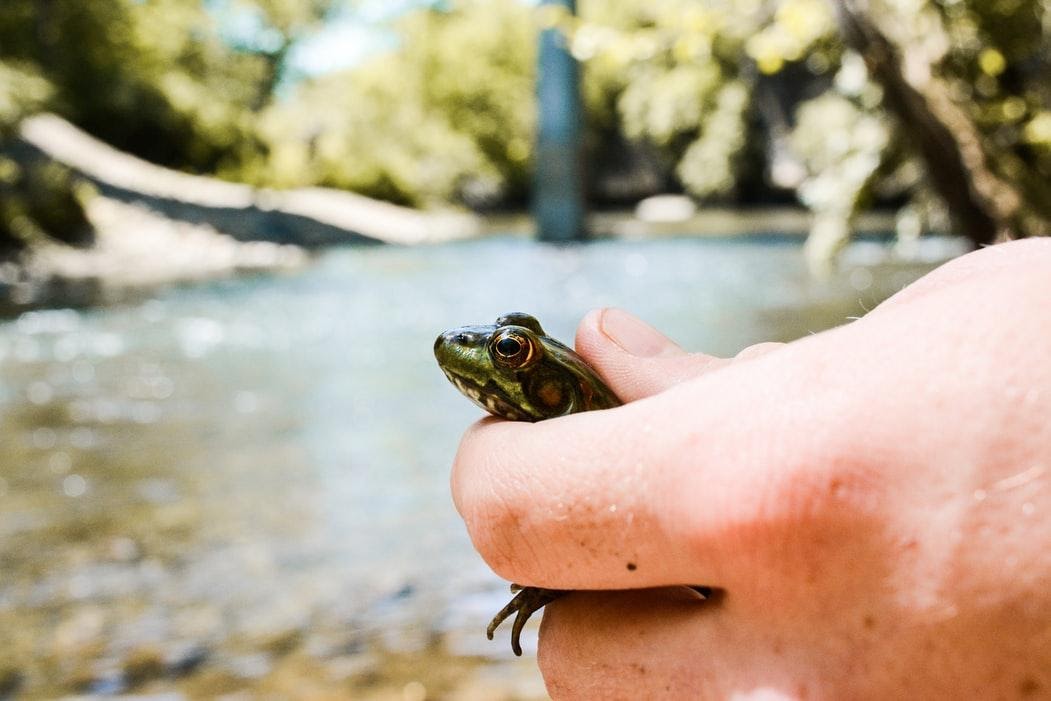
[243,485]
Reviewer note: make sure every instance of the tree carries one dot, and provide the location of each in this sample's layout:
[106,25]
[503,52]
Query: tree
[975,111]
[153,78]
[39,200]
[446,116]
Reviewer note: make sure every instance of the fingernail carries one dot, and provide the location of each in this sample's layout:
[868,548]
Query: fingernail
[634,335]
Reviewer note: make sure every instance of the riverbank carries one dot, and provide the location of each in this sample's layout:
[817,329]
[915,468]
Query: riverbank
[137,248]
[134,248]
[308,217]
[155,226]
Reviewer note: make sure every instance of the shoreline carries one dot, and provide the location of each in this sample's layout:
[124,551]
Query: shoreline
[138,249]
[155,226]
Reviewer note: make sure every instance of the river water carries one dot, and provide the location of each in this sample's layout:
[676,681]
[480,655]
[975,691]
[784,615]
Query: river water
[242,486]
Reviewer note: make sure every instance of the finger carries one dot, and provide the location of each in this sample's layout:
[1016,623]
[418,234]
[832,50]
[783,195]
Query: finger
[662,643]
[609,645]
[665,643]
[634,358]
[543,509]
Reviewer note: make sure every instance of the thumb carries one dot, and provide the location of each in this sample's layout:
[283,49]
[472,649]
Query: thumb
[635,359]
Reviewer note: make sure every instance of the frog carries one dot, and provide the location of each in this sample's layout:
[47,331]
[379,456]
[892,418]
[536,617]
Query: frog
[514,370]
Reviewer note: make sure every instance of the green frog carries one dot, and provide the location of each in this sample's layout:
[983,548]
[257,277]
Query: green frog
[514,370]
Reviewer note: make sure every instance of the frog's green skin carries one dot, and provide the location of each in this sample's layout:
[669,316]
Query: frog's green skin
[541,379]
[544,380]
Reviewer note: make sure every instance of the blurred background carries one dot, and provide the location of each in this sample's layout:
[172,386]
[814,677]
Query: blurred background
[231,229]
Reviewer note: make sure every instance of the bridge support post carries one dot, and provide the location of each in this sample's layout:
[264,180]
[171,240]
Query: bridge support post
[558,192]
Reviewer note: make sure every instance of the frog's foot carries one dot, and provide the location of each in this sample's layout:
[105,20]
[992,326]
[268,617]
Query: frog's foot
[525,603]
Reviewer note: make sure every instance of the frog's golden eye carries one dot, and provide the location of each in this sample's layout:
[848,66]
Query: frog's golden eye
[512,349]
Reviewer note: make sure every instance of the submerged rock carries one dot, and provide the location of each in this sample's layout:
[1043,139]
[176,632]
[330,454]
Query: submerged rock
[11,680]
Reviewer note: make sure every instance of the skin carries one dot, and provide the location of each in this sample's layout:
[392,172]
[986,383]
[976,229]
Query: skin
[874,500]
[515,371]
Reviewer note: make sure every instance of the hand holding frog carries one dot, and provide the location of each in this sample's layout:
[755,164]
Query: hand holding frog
[874,500]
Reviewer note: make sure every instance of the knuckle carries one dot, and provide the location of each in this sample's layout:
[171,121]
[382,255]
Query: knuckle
[832,509]
[494,526]
[822,508]
[494,508]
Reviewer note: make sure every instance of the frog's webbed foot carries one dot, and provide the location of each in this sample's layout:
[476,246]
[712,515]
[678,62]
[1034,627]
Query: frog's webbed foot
[525,603]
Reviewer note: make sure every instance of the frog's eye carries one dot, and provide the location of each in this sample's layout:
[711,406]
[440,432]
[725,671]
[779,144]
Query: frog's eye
[509,347]
[512,349]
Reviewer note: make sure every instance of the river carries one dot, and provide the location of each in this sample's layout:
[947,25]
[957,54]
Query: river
[242,485]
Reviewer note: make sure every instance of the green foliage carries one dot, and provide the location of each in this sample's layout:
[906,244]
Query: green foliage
[709,165]
[22,92]
[274,26]
[152,77]
[686,74]
[981,68]
[998,58]
[447,116]
[38,199]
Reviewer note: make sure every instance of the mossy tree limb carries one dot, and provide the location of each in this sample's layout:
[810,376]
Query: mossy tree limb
[961,165]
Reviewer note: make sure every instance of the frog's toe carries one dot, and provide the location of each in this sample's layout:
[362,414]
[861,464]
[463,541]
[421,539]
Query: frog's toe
[503,613]
[525,603]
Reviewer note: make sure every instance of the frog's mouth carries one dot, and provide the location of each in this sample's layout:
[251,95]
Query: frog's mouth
[489,397]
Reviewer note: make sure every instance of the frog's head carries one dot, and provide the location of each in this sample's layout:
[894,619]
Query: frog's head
[507,368]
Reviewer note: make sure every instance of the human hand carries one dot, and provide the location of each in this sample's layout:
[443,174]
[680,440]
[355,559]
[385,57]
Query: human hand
[875,501]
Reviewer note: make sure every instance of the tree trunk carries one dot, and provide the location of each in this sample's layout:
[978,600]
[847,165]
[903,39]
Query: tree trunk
[983,207]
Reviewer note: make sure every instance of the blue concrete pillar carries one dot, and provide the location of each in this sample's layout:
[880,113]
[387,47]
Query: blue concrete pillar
[558,193]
